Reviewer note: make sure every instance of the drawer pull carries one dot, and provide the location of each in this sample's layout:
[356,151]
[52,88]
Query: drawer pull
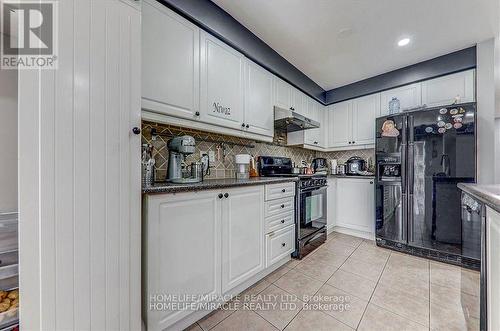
[283,244]
[283,190]
[282,206]
[282,221]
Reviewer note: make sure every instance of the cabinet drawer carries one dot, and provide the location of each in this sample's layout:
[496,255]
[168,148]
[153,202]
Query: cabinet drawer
[279,244]
[282,190]
[280,221]
[279,206]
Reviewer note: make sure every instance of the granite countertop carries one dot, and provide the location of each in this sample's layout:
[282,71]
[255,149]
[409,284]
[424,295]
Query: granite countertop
[212,184]
[488,194]
[351,176]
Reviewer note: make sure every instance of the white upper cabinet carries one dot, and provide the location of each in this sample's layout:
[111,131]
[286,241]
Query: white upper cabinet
[339,124]
[242,235]
[409,96]
[282,93]
[364,112]
[314,137]
[259,113]
[221,82]
[170,62]
[299,102]
[448,89]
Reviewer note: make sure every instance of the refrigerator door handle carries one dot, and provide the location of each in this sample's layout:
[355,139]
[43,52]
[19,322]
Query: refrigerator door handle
[410,175]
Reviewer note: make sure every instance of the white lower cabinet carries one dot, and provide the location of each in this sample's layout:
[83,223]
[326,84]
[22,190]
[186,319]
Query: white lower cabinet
[493,268]
[279,244]
[242,240]
[182,245]
[209,243]
[355,206]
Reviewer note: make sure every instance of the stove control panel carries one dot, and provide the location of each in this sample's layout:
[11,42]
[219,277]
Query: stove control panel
[312,183]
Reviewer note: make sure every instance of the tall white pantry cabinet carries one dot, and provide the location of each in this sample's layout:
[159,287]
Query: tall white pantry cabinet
[79,166]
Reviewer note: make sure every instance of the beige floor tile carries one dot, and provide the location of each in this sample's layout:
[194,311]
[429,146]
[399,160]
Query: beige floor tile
[193,327]
[347,239]
[352,284]
[370,253]
[277,306]
[452,276]
[292,263]
[244,320]
[401,279]
[276,274]
[378,318]
[450,319]
[297,283]
[318,271]
[408,268]
[341,305]
[338,247]
[401,303]
[453,298]
[215,317]
[317,321]
[327,257]
[365,269]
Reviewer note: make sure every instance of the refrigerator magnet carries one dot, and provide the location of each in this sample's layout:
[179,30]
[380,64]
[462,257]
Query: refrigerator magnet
[454,111]
[441,124]
[441,130]
[443,111]
[389,129]
[429,129]
[458,119]
[448,126]
[461,111]
[457,125]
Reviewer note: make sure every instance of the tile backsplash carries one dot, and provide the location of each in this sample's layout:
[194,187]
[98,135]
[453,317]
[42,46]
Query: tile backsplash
[226,147]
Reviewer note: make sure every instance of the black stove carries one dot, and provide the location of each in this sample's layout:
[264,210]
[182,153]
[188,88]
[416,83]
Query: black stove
[310,202]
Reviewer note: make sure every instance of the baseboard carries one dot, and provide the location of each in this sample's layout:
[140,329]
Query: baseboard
[330,228]
[355,233]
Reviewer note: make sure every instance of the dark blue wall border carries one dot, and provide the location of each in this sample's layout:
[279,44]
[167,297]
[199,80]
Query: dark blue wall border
[440,66]
[216,21]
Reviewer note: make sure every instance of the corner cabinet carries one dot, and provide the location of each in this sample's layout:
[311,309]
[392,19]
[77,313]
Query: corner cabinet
[448,89]
[259,108]
[355,206]
[170,62]
[221,83]
[242,239]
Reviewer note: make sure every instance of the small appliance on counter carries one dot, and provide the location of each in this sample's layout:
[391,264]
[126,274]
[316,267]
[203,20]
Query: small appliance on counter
[147,165]
[242,166]
[178,172]
[355,165]
[341,169]
[333,167]
[319,165]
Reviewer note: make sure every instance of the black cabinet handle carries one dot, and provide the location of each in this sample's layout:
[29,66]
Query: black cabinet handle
[282,206]
[136,130]
[353,142]
[226,195]
[283,244]
[247,126]
[315,142]
[282,221]
[197,113]
[283,190]
[243,125]
[220,196]
[371,182]
[350,142]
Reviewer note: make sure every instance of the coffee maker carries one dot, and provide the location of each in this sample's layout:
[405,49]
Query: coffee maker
[178,149]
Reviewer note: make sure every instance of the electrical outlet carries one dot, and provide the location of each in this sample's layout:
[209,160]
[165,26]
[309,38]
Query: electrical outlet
[211,156]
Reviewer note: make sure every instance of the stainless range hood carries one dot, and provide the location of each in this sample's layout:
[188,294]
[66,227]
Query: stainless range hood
[289,121]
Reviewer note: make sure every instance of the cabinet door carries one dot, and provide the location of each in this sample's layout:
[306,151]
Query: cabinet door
[339,124]
[493,268]
[242,235]
[259,115]
[409,96]
[312,136]
[182,264]
[170,62]
[445,90]
[222,84]
[282,94]
[299,102]
[331,207]
[355,204]
[364,111]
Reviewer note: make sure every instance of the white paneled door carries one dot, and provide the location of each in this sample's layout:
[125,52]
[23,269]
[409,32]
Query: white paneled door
[79,174]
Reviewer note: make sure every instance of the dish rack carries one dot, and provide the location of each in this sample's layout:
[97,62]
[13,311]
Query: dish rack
[9,267]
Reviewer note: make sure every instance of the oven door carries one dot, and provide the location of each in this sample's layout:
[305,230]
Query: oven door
[312,211]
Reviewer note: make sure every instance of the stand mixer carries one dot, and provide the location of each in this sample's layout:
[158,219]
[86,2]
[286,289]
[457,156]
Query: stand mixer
[179,148]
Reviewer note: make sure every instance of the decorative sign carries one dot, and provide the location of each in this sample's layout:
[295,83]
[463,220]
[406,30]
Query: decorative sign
[219,109]
[389,129]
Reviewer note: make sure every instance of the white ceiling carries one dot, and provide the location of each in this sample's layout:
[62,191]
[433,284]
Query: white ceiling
[337,42]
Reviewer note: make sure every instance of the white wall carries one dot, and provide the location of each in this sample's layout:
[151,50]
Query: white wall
[8,140]
[486,111]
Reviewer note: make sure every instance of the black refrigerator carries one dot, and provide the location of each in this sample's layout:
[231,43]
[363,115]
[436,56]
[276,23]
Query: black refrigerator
[421,156]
